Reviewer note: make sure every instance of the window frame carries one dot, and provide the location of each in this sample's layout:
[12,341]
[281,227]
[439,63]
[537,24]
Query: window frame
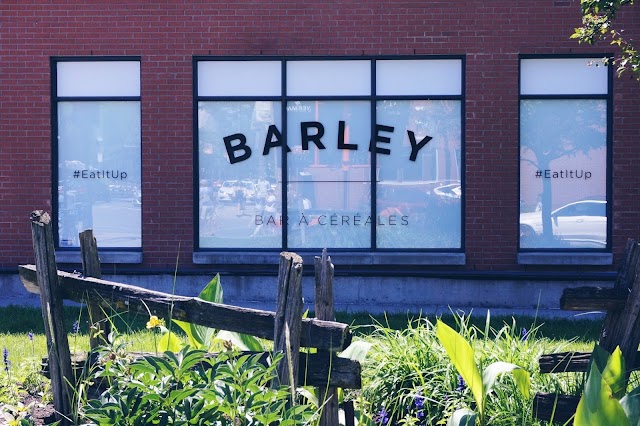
[571,255]
[284,99]
[67,254]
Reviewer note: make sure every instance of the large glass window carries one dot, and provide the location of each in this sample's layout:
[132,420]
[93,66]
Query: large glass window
[97,148]
[345,154]
[564,116]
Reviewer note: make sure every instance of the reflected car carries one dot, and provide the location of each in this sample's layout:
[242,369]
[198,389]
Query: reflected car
[581,223]
[227,190]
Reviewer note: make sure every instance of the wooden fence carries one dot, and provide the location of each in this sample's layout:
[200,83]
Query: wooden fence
[621,328]
[323,369]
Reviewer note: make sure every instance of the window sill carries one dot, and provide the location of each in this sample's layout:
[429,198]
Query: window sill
[341,258]
[131,257]
[565,258]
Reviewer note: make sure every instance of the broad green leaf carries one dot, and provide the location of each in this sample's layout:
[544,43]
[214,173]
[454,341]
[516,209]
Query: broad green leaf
[244,342]
[356,351]
[212,291]
[463,358]
[599,357]
[631,406]
[462,417]
[170,342]
[199,336]
[614,374]
[596,406]
[520,376]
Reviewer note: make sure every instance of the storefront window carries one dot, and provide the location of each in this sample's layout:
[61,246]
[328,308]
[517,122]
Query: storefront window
[563,154]
[321,130]
[97,145]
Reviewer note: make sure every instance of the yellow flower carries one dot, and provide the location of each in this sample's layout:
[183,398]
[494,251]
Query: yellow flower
[154,322]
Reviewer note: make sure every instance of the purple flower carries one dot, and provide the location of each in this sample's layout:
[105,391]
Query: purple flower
[30,334]
[76,327]
[461,384]
[418,400]
[525,334]
[382,418]
[5,358]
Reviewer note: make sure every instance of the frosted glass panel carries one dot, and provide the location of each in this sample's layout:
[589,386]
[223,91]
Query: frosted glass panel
[420,77]
[567,76]
[98,78]
[323,78]
[239,78]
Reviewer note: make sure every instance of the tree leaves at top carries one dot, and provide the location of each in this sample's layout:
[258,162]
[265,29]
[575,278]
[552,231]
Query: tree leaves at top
[598,17]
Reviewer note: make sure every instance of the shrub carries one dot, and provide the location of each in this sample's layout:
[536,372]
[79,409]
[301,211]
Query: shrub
[192,387]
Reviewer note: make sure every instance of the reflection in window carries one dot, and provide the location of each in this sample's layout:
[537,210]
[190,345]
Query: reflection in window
[317,120]
[240,202]
[99,172]
[98,148]
[418,202]
[329,193]
[563,173]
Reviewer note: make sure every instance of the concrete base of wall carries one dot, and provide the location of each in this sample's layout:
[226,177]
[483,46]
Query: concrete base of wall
[361,294]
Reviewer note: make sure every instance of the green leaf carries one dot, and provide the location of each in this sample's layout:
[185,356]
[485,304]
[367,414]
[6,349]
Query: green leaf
[631,406]
[356,351]
[596,406]
[243,342]
[199,336]
[599,357]
[520,376]
[463,358]
[462,417]
[614,374]
[170,342]
[212,291]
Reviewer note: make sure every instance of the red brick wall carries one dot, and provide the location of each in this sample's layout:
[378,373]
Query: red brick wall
[166,34]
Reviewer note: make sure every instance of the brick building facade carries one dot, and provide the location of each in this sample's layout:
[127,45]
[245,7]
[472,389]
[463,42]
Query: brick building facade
[178,49]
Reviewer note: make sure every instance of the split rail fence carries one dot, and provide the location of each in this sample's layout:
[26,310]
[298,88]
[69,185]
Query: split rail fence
[323,369]
[621,328]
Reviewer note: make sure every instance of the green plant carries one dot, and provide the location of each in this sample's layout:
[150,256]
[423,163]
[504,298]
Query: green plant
[190,387]
[405,373]
[462,356]
[203,337]
[604,400]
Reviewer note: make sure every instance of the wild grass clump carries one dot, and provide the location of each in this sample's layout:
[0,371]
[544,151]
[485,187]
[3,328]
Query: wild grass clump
[408,378]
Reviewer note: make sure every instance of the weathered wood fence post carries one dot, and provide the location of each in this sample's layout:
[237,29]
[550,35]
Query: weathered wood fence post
[288,318]
[100,328]
[62,380]
[324,271]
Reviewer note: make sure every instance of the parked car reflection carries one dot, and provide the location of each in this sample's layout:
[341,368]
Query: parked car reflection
[581,224]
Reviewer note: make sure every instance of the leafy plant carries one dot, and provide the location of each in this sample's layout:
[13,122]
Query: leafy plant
[481,385]
[604,401]
[203,337]
[190,387]
[400,366]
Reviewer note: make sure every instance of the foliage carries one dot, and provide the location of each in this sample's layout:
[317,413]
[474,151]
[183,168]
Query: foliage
[463,357]
[203,337]
[190,387]
[604,401]
[598,18]
[408,378]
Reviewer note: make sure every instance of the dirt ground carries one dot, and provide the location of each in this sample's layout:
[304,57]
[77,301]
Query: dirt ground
[42,414]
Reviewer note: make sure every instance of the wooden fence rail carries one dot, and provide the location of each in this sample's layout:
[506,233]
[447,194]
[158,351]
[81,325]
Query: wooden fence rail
[285,327]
